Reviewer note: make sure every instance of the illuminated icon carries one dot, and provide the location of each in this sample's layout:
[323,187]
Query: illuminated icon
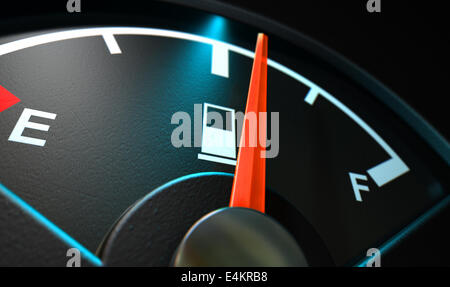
[218,134]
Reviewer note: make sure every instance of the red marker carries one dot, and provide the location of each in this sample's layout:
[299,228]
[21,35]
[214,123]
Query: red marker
[249,185]
[7,99]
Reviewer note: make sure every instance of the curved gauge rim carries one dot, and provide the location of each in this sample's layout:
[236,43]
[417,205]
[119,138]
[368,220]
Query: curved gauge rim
[381,92]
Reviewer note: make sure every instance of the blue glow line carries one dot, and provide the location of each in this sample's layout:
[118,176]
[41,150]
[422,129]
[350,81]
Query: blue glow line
[58,232]
[385,247]
[173,182]
[189,176]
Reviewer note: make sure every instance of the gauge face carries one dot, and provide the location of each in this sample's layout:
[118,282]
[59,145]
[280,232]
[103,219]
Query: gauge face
[97,120]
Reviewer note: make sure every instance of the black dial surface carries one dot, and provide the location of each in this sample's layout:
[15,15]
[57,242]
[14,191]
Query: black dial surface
[98,121]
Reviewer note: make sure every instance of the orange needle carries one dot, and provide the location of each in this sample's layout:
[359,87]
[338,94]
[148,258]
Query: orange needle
[249,184]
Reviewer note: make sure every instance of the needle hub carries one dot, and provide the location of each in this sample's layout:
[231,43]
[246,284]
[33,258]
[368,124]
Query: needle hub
[238,237]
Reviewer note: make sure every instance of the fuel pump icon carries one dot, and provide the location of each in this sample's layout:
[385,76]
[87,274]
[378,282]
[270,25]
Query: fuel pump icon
[218,134]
